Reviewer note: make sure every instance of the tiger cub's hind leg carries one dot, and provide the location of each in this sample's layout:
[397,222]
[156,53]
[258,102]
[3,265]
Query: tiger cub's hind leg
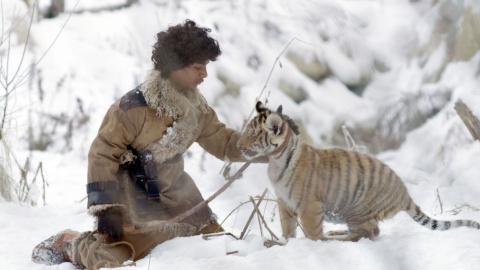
[355,232]
[367,229]
[335,234]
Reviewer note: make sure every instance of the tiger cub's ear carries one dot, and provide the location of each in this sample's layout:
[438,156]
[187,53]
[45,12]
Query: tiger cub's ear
[273,125]
[279,109]
[260,107]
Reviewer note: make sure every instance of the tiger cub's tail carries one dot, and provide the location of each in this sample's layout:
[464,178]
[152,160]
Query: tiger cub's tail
[442,225]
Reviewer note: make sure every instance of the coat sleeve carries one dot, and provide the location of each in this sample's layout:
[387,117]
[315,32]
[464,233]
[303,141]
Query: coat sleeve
[117,131]
[219,140]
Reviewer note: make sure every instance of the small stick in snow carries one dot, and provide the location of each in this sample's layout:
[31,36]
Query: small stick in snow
[210,235]
[440,201]
[263,220]
[242,235]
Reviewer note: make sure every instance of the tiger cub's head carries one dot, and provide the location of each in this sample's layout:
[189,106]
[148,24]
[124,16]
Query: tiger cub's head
[266,132]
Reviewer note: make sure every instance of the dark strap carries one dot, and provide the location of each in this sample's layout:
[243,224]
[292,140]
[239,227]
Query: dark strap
[132,99]
[102,186]
[152,190]
[151,176]
[143,173]
[103,192]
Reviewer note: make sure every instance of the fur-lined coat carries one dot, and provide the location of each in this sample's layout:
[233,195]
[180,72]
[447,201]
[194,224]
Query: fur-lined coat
[158,118]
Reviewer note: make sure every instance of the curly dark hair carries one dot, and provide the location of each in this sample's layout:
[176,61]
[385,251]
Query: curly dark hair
[182,45]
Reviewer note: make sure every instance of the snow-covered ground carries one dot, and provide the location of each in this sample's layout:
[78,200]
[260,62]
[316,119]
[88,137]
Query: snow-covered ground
[99,56]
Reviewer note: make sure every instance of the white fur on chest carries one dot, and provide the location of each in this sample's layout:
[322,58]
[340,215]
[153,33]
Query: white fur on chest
[280,175]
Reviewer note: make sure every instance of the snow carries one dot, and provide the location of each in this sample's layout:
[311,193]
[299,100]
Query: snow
[100,56]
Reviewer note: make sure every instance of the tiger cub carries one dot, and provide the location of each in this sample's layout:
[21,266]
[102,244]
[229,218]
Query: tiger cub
[335,185]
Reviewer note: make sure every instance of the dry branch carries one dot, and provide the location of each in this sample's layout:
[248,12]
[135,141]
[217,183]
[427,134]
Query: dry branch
[203,204]
[470,120]
[458,208]
[260,216]
[242,235]
[440,202]
[242,204]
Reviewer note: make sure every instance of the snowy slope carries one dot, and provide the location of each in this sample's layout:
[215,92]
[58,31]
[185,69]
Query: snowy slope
[100,56]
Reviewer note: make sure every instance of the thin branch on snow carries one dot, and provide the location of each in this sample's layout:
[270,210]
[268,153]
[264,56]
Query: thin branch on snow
[242,235]
[262,219]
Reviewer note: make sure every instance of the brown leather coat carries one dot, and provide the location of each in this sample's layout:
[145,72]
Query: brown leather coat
[155,117]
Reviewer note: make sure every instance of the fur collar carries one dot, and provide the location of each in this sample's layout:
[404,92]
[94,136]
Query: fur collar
[183,106]
[161,95]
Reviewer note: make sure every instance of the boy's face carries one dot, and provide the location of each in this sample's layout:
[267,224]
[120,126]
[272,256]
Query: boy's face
[189,77]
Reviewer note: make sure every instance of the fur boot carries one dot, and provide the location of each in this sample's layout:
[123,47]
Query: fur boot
[57,249]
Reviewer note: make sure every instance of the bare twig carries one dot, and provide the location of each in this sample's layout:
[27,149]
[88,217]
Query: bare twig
[7,33]
[351,144]
[10,81]
[27,71]
[24,48]
[6,82]
[149,258]
[267,243]
[203,204]
[242,204]
[24,187]
[40,169]
[263,219]
[440,202]
[458,208]
[82,199]
[242,235]
[273,68]
[255,207]
[210,235]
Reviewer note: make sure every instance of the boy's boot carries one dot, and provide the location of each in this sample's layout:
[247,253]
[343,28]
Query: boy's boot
[57,249]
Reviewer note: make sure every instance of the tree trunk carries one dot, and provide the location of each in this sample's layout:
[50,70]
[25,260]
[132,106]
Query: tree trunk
[127,4]
[56,7]
[470,120]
